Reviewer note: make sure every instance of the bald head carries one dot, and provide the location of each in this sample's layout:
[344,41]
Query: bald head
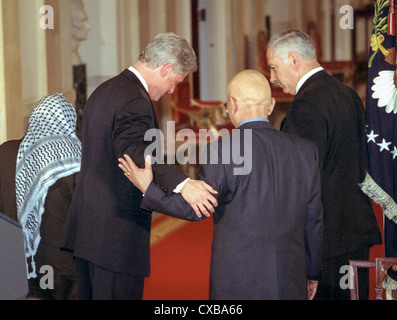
[250,86]
[249,95]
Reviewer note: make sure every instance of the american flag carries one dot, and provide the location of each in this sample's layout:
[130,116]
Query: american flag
[381,109]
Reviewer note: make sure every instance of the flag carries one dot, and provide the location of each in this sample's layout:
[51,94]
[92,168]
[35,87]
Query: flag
[381,111]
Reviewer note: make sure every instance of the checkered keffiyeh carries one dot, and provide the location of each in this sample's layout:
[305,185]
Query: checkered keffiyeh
[49,151]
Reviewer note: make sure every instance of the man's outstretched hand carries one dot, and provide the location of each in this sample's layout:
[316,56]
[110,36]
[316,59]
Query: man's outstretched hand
[141,178]
[198,194]
[200,197]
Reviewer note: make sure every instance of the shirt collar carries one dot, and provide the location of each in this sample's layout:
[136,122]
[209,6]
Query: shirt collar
[252,120]
[139,76]
[305,77]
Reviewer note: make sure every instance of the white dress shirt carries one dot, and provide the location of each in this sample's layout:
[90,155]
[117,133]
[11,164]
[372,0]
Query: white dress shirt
[307,76]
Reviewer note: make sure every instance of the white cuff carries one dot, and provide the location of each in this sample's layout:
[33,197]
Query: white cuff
[180,186]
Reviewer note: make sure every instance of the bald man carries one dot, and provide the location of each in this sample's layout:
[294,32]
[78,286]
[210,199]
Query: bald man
[268,225]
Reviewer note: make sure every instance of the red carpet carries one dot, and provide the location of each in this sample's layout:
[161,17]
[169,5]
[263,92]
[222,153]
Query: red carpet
[181,257]
[180,261]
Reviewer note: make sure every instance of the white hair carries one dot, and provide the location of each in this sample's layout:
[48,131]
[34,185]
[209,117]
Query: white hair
[170,48]
[293,40]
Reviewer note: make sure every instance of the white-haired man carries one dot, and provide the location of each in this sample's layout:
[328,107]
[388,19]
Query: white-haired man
[106,229]
[332,116]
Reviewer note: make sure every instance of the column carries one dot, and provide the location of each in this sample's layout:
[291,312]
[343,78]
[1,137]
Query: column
[65,59]
[327,32]
[157,19]
[33,55]
[213,49]
[183,19]
[11,119]
[343,37]
[128,32]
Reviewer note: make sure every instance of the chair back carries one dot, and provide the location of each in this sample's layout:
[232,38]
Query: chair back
[13,274]
[381,265]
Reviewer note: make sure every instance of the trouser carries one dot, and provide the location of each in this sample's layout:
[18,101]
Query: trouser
[330,288]
[97,283]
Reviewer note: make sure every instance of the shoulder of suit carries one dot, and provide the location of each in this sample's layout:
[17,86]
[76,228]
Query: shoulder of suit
[322,91]
[321,82]
[318,94]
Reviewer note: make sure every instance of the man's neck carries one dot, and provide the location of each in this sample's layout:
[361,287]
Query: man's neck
[252,120]
[140,77]
[309,66]
[306,72]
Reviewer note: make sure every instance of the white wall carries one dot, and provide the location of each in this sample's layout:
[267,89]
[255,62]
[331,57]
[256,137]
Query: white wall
[213,38]
[104,53]
[99,51]
[33,55]
[278,10]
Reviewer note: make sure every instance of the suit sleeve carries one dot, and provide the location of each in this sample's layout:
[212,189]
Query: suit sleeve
[175,206]
[314,227]
[131,124]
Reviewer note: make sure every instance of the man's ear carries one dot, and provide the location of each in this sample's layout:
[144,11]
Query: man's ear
[233,105]
[167,69]
[294,58]
[271,108]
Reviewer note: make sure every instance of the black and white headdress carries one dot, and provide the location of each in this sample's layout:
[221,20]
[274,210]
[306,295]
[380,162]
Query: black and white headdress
[49,151]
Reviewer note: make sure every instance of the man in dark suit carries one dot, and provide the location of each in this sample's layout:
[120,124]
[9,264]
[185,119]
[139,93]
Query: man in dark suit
[106,229]
[332,116]
[268,225]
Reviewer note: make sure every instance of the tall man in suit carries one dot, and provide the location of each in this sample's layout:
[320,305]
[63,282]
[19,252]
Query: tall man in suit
[268,225]
[106,229]
[332,116]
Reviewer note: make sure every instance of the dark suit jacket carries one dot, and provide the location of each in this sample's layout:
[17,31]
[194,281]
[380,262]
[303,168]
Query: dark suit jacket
[332,115]
[268,226]
[105,224]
